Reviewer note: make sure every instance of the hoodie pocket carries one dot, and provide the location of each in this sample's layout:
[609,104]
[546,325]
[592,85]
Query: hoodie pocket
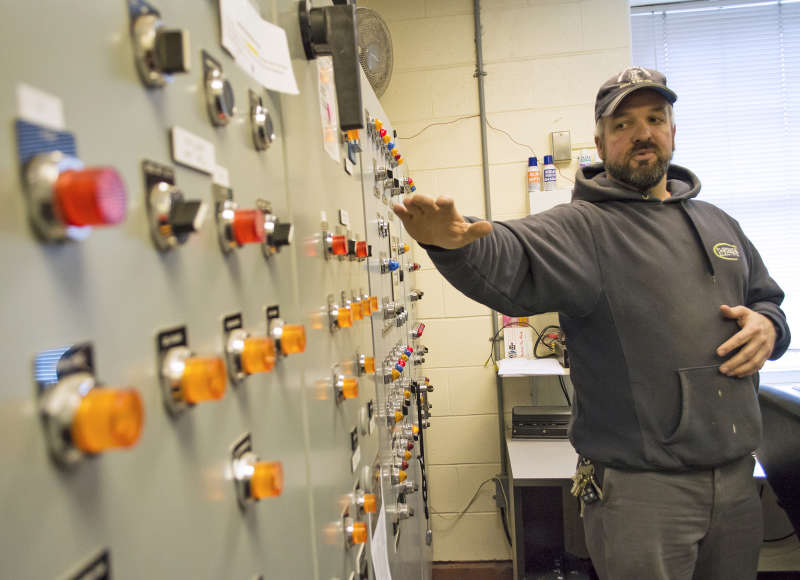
[720,419]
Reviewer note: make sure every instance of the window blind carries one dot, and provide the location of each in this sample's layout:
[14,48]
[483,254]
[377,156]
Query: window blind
[736,69]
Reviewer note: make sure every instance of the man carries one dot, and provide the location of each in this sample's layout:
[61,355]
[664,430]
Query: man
[669,314]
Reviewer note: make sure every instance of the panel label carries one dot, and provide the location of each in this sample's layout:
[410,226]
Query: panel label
[192,151]
[232,322]
[171,338]
[39,107]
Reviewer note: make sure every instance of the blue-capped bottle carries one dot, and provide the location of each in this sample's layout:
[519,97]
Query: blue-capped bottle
[534,179]
[549,173]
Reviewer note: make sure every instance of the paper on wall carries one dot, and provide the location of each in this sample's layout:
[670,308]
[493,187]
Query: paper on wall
[379,549]
[258,46]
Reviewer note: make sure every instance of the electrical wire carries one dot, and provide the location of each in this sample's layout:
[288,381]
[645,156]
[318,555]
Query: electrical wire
[460,514]
[494,339]
[426,127]
[564,389]
[507,134]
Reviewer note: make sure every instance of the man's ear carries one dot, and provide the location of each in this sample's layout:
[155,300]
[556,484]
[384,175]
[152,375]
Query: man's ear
[598,143]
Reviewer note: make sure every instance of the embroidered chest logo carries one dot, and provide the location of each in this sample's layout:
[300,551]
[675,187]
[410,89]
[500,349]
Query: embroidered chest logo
[726,251]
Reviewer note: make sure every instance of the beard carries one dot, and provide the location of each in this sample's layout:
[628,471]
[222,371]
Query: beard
[643,175]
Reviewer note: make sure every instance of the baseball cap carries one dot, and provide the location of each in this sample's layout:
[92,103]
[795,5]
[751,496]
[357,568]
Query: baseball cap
[623,84]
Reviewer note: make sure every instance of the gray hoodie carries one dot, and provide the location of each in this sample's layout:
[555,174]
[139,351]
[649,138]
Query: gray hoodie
[637,284]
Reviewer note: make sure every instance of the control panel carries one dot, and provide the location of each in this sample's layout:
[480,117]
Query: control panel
[213,360]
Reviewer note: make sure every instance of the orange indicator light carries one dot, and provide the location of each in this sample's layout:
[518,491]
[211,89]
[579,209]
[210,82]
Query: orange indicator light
[407,455]
[352,135]
[370,503]
[359,532]
[369,365]
[402,476]
[293,339]
[395,374]
[398,416]
[349,388]
[386,139]
[358,313]
[366,309]
[373,303]
[378,124]
[344,317]
[415,430]
[203,379]
[258,355]
[108,418]
[361,250]
[267,479]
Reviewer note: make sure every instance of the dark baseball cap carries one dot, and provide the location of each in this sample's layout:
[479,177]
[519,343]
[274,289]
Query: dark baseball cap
[623,84]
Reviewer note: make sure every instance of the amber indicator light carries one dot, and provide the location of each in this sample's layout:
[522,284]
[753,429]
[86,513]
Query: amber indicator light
[358,313]
[398,416]
[370,503]
[258,355]
[359,532]
[366,309]
[369,365]
[402,475]
[373,303]
[344,317]
[293,339]
[407,455]
[267,479]
[203,379]
[107,419]
[349,386]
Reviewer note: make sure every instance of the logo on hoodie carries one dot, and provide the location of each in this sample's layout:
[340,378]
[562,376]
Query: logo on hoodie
[726,251]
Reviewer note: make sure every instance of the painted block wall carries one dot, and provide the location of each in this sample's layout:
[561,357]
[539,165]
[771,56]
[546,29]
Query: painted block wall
[544,60]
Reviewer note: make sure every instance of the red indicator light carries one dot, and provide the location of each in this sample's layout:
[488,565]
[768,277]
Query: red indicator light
[248,226]
[91,197]
[361,250]
[339,245]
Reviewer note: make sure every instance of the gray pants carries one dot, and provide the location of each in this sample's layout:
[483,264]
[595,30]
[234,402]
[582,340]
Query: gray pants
[703,525]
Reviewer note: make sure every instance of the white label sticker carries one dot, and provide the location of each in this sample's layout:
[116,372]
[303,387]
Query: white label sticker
[356,458]
[221,176]
[344,217]
[193,151]
[39,107]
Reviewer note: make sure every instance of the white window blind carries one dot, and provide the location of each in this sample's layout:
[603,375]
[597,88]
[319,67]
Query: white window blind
[736,69]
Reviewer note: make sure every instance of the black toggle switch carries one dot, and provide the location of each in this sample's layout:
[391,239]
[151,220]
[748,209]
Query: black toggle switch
[282,236]
[186,216]
[331,31]
[172,51]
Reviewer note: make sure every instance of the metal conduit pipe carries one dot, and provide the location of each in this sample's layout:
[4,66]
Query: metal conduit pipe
[487,200]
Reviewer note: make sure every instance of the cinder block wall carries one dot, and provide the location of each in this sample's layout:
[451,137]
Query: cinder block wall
[544,61]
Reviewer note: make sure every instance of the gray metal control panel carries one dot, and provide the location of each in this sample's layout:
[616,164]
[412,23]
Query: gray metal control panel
[210,356]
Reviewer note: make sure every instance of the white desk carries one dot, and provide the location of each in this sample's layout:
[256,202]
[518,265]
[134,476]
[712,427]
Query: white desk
[541,459]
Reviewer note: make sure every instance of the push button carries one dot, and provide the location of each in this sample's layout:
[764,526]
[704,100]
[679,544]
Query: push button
[346,387]
[289,338]
[253,478]
[248,227]
[108,419]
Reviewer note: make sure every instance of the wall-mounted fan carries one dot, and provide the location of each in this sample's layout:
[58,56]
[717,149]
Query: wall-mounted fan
[374,49]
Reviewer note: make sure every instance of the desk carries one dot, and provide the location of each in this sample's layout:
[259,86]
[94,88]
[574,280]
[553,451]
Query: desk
[547,465]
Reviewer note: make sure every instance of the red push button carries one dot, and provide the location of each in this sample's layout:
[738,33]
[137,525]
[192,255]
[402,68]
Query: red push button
[339,245]
[91,197]
[248,226]
[361,250]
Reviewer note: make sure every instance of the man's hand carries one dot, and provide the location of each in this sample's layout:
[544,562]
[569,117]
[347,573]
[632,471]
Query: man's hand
[438,223]
[756,339]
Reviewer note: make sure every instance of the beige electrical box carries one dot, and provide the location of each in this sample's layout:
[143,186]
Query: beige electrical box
[562,146]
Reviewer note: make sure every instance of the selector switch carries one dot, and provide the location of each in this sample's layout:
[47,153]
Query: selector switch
[159,52]
[277,234]
[81,418]
[172,217]
[65,199]
[220,101]
[261,123]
